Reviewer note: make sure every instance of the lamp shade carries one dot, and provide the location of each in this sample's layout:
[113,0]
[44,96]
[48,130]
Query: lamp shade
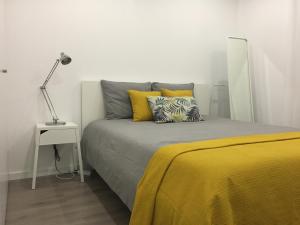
[65,59]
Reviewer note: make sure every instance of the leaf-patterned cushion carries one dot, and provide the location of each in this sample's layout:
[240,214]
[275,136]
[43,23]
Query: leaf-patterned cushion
[174,109]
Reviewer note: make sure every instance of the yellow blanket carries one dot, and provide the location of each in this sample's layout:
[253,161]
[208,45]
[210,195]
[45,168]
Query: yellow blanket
[252,180]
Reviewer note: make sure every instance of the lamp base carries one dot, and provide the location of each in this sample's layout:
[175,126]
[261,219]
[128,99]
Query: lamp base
[56,123]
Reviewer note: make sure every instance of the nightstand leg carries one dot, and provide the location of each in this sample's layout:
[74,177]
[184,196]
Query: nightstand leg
[75,167]
[80,162]
[36,156]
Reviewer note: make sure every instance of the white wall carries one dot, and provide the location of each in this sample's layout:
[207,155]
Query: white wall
[3,123]
[295,81]
[126,40]
[273,33]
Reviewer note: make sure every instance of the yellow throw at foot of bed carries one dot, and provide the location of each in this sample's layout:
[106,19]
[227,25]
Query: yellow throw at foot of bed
[252,180]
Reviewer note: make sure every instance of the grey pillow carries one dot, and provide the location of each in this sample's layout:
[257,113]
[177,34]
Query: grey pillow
[116,100]
[156,86]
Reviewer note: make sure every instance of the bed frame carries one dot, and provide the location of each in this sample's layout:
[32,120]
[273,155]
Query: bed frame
[92,105]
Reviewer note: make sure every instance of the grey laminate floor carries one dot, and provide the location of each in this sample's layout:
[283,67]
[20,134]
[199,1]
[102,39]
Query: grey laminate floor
[56,202]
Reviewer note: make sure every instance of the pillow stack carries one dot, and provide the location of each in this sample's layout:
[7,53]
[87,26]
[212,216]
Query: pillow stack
[161,102]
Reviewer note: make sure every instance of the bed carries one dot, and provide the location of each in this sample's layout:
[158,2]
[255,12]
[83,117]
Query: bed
[119,150]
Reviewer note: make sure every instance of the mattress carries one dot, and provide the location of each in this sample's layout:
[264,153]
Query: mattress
[119,150]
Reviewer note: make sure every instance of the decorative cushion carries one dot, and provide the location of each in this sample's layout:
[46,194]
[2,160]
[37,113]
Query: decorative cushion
[116,100]
[156,86]
[140,106]
[176,93]
[174,109]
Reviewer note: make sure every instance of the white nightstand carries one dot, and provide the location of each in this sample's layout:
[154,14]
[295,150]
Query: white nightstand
[54,135]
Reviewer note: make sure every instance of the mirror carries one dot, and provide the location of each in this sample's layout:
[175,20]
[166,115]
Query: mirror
[239,82]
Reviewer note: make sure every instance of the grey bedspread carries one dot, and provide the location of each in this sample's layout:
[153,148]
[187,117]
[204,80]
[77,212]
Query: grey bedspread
[120,149]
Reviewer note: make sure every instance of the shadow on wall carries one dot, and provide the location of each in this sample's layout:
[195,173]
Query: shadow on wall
[271,91]
[219,106]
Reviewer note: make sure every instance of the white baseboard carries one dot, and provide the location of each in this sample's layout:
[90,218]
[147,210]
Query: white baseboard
[18,175]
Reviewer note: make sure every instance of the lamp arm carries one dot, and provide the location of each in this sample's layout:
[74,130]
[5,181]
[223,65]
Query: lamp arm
[50,73]
[49,104]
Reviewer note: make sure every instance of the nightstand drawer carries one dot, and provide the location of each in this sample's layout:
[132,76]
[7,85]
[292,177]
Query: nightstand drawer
[63,136]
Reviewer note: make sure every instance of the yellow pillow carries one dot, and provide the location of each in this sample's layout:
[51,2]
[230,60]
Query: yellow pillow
[140,106]
[176,93]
